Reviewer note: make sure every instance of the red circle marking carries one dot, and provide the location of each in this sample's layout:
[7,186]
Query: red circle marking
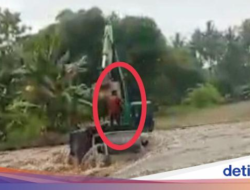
[143,108]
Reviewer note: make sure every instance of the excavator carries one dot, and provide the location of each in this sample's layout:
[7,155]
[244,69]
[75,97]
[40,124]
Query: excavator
[84,141]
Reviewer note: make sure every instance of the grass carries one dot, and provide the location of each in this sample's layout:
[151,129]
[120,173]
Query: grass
[20,137]
[183,116]
[176,110]
[31,137]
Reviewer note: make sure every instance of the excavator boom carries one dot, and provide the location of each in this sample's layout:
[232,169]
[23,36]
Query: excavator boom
[116,77]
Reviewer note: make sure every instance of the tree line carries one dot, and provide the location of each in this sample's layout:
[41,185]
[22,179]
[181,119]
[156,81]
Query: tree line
[45,77]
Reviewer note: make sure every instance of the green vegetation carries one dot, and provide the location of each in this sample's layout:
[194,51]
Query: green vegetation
[186,116]
[203,96]
[46,78]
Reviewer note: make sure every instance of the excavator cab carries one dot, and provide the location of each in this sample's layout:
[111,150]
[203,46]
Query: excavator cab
[136,115]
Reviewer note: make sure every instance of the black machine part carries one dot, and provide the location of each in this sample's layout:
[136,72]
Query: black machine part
[120,137]
[81,142]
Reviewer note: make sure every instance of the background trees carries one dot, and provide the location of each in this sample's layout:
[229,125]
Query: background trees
[48,75]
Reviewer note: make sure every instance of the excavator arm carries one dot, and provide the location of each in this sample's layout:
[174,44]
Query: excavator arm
[115,77]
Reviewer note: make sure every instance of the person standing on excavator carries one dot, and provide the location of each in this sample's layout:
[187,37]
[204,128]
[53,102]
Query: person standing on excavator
[115,108]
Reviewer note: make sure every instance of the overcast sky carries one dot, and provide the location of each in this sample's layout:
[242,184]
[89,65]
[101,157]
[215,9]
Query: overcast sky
[171,15]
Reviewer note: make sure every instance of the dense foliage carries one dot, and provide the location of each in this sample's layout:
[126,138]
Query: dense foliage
[45,78]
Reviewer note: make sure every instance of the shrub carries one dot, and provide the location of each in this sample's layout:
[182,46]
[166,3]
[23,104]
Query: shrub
[203,96]
[22,130]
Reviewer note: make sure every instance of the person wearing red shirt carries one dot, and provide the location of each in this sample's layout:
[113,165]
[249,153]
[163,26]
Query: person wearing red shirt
[115,108]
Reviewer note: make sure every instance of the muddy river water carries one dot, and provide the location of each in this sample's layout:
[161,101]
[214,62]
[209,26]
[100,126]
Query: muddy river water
[168,150]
